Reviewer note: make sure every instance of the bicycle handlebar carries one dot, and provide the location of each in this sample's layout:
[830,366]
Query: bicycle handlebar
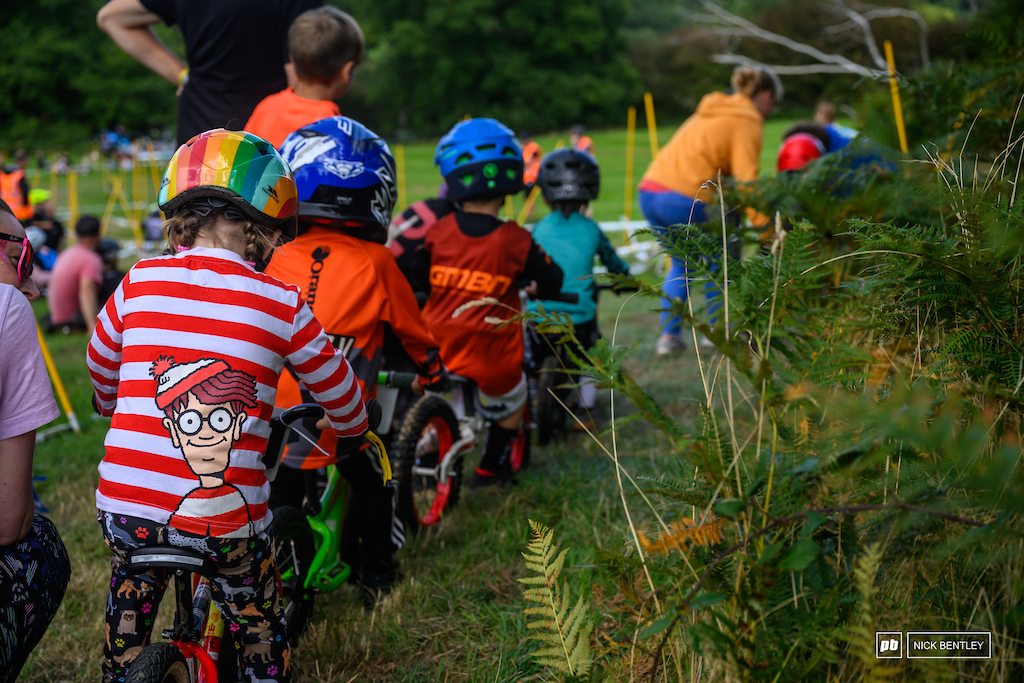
[567,297]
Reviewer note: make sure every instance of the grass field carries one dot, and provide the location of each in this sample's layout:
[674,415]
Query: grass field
[421,178]
[457,616]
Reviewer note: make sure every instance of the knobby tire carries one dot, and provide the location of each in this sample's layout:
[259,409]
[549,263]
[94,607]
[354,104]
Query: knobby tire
[294,548]
[428,431]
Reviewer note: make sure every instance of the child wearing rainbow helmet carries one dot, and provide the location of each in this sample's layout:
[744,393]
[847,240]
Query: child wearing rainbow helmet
[185,358]
[345,176]
[471,255]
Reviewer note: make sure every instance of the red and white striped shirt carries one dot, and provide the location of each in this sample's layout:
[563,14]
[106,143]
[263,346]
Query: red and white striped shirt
[195,306]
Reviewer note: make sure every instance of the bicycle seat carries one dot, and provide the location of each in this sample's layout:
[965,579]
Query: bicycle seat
[170,557]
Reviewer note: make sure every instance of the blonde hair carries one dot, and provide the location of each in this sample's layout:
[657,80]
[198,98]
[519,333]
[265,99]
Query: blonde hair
[183,228]
[323,40]
[751,81]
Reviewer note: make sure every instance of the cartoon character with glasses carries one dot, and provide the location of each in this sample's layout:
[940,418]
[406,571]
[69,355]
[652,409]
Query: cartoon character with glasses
[204,403]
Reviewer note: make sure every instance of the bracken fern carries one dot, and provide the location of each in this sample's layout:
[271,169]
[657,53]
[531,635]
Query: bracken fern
[563,627]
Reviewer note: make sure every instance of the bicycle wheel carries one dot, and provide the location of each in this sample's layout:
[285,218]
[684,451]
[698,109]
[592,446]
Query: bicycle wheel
[519,455]
[294,548]
[159,663]
[428,432]
[550,415]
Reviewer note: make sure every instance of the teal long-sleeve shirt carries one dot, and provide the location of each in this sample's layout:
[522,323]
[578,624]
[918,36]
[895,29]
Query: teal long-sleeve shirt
[573,243]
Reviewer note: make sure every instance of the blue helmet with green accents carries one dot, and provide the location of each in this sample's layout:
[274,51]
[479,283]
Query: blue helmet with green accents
[480,159]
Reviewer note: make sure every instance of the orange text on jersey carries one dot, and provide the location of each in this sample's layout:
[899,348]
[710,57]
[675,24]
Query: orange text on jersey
[469,280]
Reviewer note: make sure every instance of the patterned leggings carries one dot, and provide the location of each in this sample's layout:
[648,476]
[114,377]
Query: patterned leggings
[247,587]
[33,575]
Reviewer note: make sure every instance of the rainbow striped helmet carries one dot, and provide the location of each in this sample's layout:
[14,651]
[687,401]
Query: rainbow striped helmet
[237,166]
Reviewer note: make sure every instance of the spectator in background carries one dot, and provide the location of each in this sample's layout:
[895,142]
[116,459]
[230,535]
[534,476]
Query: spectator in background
[75,282]
[44,217]
[532,154]
[326,45]
[236,51]
[108,249]
[14,187]
[838,136]
[44,257]
[34,565]
[722,138]
[579,139]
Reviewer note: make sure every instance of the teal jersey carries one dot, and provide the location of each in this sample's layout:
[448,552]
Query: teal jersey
[573,243]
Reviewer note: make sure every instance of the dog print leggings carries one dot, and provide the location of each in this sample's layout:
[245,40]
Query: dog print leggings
[247,588]
[34,573]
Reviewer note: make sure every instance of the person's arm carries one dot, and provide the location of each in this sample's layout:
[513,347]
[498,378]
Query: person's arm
[402,312]
[608,256]
[88,293]
[128,23]
[16,487]
[746,162]
[543,271]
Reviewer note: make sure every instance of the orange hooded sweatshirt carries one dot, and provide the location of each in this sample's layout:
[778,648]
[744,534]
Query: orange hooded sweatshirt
[724,134]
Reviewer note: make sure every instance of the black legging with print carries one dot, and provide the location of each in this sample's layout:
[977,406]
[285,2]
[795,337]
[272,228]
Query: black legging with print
[246,586]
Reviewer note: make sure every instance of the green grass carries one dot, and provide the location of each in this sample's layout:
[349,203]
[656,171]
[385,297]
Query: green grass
[94,189]
[457,616]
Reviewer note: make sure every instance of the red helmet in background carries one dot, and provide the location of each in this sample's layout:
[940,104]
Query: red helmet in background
[797,151]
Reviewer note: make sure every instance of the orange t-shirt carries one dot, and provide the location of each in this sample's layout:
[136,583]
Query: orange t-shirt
[285,112]
[532,154]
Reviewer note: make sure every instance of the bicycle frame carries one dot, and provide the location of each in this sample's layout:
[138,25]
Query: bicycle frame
[327,572]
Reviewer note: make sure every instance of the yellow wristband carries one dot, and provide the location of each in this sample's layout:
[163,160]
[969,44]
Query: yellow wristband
[183,77]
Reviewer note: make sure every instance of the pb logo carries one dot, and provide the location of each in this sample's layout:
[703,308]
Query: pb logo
[888,644]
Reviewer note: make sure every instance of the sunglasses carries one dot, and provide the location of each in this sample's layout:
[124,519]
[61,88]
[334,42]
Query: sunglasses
[25,261]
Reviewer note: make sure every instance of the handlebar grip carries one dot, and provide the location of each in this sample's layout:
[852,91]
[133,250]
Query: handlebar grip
[567,297]
[396,379]
[300,412]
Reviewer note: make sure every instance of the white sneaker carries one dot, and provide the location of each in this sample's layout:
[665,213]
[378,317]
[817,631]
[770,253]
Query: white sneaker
[670,344]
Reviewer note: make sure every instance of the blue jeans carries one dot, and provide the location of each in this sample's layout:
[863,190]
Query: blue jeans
[663,210]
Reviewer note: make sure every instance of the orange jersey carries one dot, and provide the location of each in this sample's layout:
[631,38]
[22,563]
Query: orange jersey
[354,289]
[532,154]
[284,112]
[465,269]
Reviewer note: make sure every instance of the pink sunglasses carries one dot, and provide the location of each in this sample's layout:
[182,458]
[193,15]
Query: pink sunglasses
[25,261]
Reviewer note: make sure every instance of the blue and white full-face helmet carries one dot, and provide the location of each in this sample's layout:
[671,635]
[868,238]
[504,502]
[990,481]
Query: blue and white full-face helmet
[345,176]
[480,159]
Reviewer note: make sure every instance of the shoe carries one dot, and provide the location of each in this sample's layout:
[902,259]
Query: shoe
[373,589]
[502,479]
[670,344]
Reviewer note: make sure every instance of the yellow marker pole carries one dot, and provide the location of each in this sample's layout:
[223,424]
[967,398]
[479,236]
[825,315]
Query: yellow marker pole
[58,385]
[509,210]
[139,196]
[400,173]
[115,191]
[154,172]
[627,205]
[530,201]
[73,196]
[652,130]
[896,106]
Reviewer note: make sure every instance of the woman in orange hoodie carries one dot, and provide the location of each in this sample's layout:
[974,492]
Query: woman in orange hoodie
[723,137]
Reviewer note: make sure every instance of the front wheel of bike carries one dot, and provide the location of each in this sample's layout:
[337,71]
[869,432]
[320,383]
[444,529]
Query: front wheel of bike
[159,663]
[428,432]
[294,548]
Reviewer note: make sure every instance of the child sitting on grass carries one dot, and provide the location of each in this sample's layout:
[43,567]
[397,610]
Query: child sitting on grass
[326,45]
[186,357]
[472,254]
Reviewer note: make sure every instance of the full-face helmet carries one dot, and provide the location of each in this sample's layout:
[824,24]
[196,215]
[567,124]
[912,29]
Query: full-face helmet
[569,175]
[345,176]
[480,159]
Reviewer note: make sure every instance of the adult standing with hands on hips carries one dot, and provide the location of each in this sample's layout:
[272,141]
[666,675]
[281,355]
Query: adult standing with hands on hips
[34,565]
[237,53]
[722,138]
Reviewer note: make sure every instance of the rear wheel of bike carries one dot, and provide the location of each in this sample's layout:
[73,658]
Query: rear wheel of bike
[428,432]
[294,549]
[159,663]
[550,415]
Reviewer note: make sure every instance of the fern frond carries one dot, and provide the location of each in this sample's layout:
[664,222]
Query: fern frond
[563,627]
[685,532]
